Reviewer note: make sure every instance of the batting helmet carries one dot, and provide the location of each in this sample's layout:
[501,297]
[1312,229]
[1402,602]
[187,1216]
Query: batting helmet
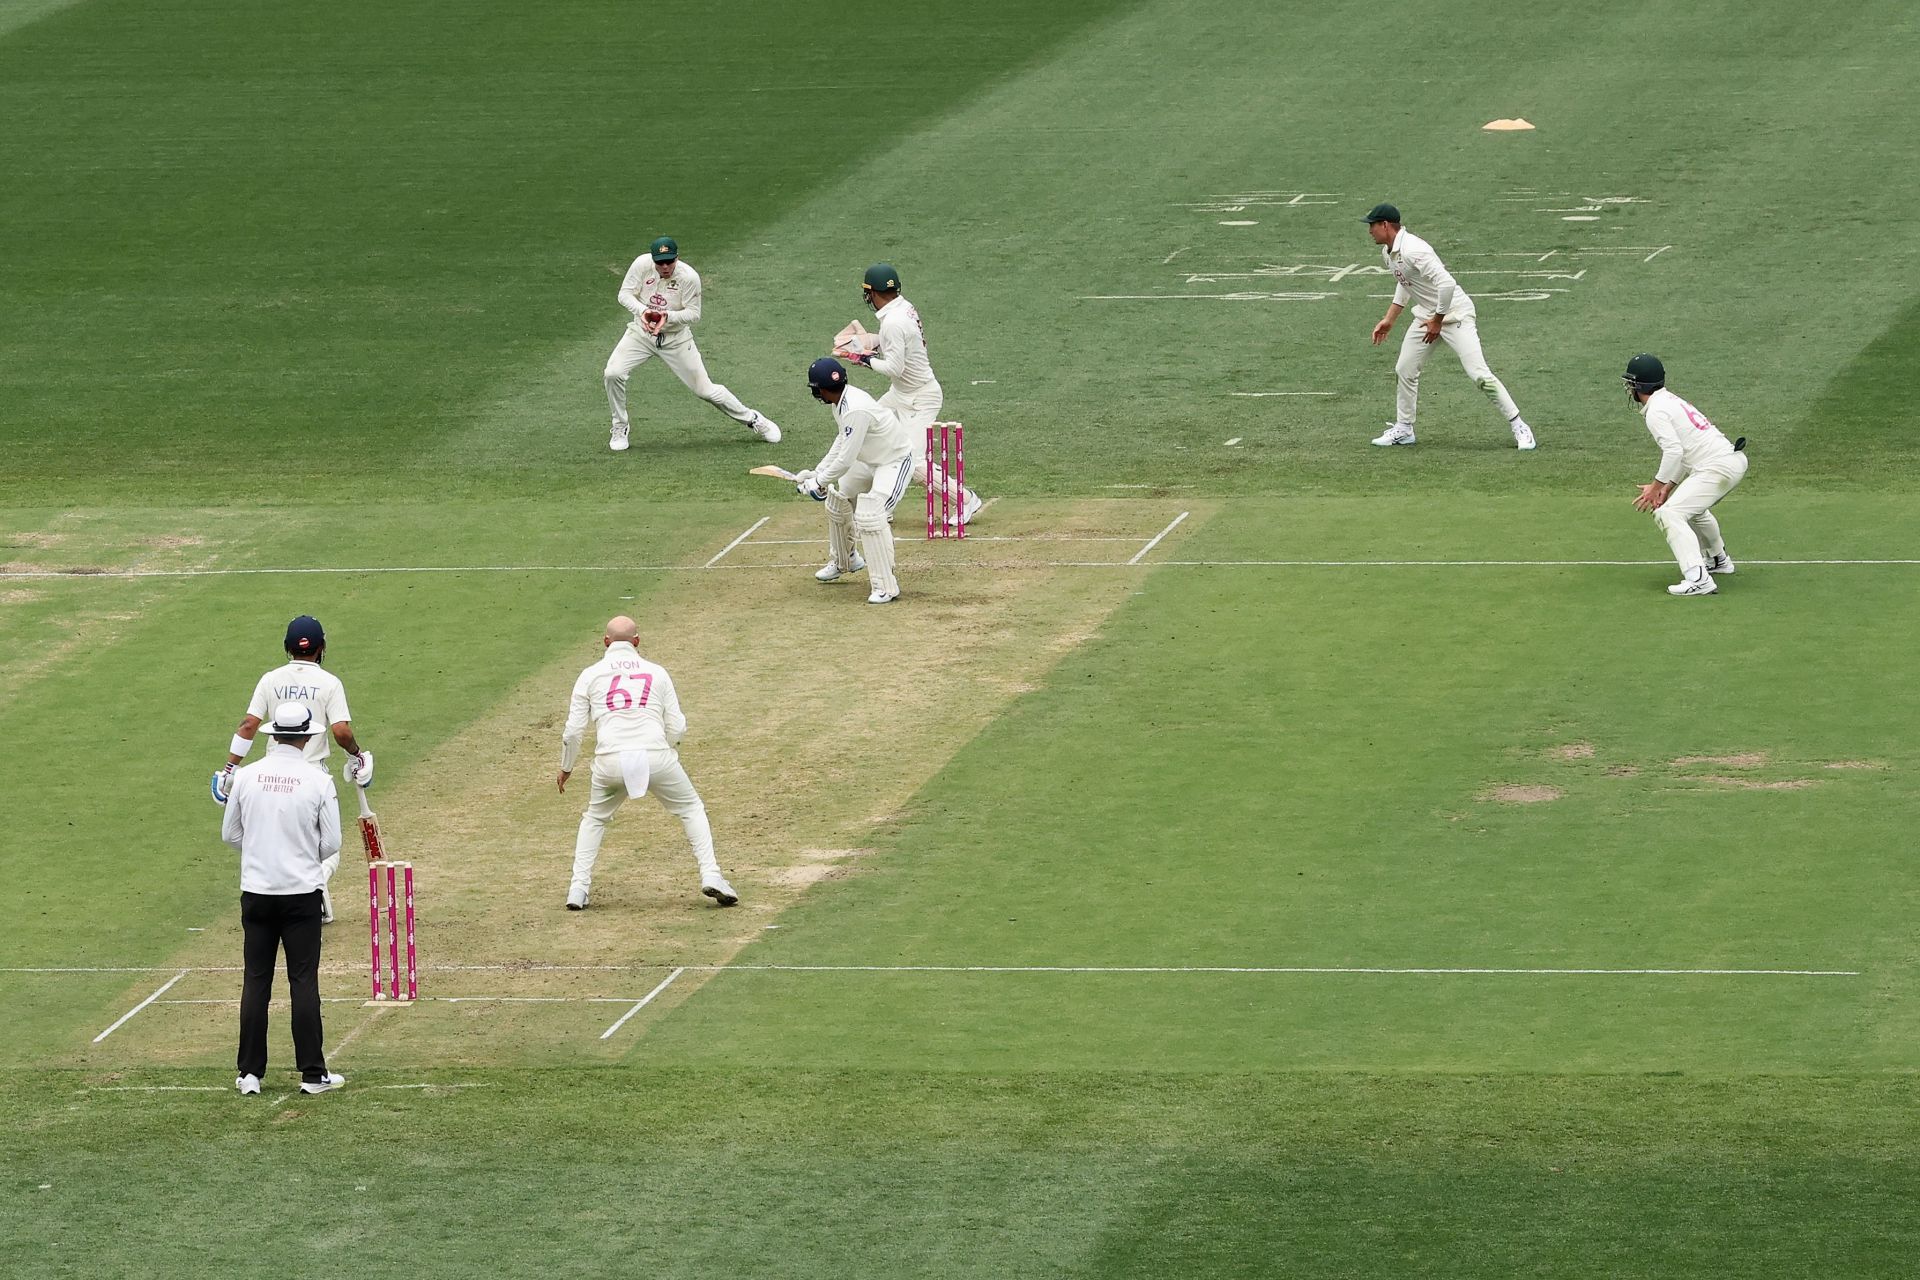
[1645,374]
[826,373]
[882,278]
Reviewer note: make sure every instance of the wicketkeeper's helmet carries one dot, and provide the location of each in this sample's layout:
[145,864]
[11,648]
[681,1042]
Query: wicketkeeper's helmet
[1645,374]
[882,278]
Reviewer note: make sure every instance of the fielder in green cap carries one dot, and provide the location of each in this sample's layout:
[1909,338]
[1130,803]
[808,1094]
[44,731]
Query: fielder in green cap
[1442,312]
[914,394]
[663,295]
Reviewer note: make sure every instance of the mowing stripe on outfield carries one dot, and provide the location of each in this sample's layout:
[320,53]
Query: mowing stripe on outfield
[988,565]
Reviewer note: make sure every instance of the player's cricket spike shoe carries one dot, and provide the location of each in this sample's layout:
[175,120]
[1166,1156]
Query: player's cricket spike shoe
[617,440]
[1721,564]
[1396,433]
[717,888]
[1700,584]
[1522,435]
[831,572]
[766,428]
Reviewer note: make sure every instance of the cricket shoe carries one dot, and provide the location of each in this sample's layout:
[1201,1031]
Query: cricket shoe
[1522,435]
[1721,564]
[883,597]
[832,572]
[332,1080]
[970,504]
[576,899]
[717,888]
[1700,584]
[617,441]
[248,1084]
[1396,433]
[765,428]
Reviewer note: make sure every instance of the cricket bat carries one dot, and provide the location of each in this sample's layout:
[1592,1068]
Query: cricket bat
[369,829]
[780,473]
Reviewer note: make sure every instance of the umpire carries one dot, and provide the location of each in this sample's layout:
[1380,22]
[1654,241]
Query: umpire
[284,817]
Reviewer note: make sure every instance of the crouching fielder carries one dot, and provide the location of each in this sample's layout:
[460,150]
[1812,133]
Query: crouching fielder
[862,479]
[1698,467]
[637,723]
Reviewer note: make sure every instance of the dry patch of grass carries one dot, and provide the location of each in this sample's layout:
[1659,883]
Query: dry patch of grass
[1518,793]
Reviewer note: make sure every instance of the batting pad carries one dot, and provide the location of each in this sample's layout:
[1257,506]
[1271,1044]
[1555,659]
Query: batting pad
[876,543]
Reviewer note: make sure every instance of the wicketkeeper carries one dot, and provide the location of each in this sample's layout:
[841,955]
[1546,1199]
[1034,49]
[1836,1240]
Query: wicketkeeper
[637,723]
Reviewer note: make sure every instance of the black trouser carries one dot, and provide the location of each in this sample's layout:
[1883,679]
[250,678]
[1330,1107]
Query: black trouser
[270,920]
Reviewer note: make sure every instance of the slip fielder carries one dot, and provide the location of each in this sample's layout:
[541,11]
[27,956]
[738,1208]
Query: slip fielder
[637,723]
[861,479]
[1442,312]
[913,393]
[303,680]
[663,293]
[1698,467]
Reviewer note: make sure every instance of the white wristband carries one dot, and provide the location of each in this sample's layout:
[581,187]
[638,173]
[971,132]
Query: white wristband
[240,746]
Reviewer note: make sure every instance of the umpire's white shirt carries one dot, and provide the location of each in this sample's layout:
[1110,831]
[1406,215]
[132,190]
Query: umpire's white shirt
[306,682]
[902,356]
[677,296]
[284,818]
[1688,442]
[1421,278]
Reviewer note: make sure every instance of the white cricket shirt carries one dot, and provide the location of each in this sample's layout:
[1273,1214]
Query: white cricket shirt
[1423,279]
[631,703]
[305,681]
[645,289]
[284,817]
[868,432]
[1688,442]
[902,356]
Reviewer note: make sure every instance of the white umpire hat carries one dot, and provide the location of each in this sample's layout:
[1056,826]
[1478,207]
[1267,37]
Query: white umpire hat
[292,720]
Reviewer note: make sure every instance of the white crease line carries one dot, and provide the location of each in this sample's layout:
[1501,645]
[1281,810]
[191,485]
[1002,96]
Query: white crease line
[1176,253]
[143,1004]
[986,565]
[1286,969]
[643,1002]
[984,537]
[1141,553]
[736,542]
[155,1088]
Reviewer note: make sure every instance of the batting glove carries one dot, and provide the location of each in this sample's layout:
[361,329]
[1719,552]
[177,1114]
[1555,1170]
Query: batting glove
[222,784]
[811,486]
[358,770]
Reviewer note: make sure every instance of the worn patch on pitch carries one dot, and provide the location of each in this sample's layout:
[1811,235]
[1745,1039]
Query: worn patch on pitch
[1518,793]
[1739,760]
[1755,784]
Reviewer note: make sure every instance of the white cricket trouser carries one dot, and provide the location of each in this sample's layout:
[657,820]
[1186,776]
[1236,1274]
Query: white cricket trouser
[916,415]
[669,784]
[868,494]
[679,354]
[1686,517]
[1464,337]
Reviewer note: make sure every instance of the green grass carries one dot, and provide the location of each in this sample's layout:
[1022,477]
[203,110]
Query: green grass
[332,288]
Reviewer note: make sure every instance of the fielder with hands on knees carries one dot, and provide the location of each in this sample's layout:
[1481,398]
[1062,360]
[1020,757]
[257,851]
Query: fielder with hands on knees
[1442,312]
[637,723]
[1698,467]
[861,479]
[283,815]
[305,681]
